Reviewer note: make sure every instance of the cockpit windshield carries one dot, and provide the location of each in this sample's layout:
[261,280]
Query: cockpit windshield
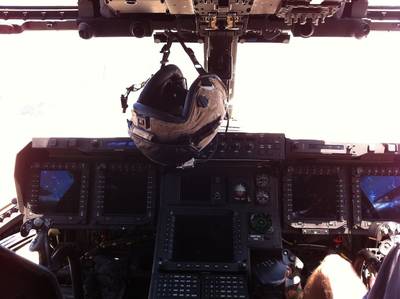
[129,180]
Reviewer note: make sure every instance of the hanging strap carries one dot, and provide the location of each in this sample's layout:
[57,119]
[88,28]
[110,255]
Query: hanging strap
[166,51]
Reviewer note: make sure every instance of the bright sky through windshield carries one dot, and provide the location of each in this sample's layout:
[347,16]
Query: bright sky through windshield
[55,84]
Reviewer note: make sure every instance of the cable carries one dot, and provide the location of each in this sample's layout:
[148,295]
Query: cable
[132,88]
[228,117]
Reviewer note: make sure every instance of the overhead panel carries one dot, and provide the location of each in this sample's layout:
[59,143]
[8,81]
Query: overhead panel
[263,7]
[241,7]
[221,7]
[180,7]
[151,6]
[189,7]
[136,6]
[204,7]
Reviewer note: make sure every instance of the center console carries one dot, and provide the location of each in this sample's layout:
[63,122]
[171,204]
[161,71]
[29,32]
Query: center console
[210,218]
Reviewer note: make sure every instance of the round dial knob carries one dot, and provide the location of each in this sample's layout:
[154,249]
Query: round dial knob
[250,147]
[222,146]
[260,223]
[262,180]
[262,197]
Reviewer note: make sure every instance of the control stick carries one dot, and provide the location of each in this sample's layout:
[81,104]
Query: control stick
[368,261]
[41,242]
[284,271]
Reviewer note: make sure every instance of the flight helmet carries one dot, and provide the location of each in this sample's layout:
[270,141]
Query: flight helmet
[170,124]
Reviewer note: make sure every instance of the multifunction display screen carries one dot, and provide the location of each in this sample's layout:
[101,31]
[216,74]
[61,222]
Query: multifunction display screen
[380,197]
[203,238]
[59,192]
[125,193]
[315,197]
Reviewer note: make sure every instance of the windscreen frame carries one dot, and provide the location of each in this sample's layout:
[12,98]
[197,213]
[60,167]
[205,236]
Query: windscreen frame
[316,225]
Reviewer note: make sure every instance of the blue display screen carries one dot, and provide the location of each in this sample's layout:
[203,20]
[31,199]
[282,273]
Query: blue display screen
[59,192]
[380,197]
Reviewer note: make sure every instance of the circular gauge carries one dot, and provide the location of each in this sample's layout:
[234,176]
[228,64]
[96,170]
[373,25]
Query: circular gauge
[260,222]
[262,180]
[262,197]
[240,193]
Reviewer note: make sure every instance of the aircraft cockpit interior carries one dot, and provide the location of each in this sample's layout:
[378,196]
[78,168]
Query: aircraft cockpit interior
[224,214]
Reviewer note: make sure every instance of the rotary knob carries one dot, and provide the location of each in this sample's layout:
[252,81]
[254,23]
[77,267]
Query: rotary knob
[223,147]
[250,147]
[262,197]
[262,180]
[236,146]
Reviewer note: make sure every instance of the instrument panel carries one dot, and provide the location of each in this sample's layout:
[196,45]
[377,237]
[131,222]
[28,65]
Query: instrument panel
[212,223]
[107,182]
[86,190]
